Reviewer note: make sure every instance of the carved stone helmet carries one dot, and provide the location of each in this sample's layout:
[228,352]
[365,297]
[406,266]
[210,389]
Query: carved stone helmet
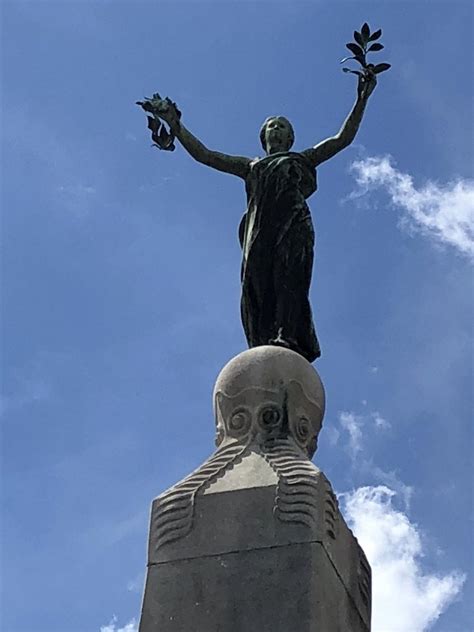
[269,393]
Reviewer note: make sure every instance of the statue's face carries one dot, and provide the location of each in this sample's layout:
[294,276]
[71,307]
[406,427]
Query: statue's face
[277,135]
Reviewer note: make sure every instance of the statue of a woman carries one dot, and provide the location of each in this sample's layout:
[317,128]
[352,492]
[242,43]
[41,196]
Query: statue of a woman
[276,232]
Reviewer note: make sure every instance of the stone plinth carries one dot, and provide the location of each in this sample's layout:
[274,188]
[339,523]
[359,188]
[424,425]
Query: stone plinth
[253,540]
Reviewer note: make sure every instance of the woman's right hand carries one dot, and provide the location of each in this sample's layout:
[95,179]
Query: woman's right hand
[165,109]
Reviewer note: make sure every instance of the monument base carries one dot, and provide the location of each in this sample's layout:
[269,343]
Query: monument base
[240,570]
[253,540]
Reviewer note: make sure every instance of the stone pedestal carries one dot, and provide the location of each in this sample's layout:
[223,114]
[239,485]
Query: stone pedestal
[253,540]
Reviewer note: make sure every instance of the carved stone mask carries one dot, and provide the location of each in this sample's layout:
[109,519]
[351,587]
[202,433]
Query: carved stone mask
[267,393]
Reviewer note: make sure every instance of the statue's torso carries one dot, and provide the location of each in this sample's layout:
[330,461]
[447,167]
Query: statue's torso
[277,187]
[282,171]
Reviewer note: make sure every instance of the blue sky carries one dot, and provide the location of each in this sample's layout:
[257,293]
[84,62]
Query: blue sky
[121,288]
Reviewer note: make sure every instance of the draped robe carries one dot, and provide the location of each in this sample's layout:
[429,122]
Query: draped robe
[277,239]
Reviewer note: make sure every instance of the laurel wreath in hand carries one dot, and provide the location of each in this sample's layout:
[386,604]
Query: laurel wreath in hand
[365,42]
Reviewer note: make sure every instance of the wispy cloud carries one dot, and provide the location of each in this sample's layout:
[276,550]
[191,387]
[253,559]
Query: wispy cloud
[112,531]
[67,165]
[352,424]
[370,471]
[77,198]
[354,435]
[131,626]
[332,434]
[406,598]
[135,585]
[77,189]
[33,383]
[355,427]
[441,211]
[380,421]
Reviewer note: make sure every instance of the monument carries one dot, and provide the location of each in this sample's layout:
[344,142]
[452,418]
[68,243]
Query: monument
[253,540]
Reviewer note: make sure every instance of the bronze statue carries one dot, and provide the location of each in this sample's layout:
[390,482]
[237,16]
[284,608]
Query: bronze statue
[276,233]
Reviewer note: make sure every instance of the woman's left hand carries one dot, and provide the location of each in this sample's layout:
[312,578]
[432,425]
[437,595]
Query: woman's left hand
[367,83]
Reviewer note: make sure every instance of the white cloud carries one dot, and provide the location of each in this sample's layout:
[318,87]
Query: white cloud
[136,584]
[332,435]
[355,425]
[352,424]
[389,479]
[444,212]
[114,530]
[380,421]
[131,626]
[405,598]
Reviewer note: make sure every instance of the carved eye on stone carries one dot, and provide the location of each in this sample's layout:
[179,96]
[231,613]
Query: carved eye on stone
[269,417]
[239,422]
[303,430]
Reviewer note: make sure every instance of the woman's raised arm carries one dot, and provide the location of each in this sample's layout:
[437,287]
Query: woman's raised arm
[331,146]
[235,165]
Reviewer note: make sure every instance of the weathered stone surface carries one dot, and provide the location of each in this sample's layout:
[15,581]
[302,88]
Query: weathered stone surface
[240,569]
[267,393]
[253,539]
